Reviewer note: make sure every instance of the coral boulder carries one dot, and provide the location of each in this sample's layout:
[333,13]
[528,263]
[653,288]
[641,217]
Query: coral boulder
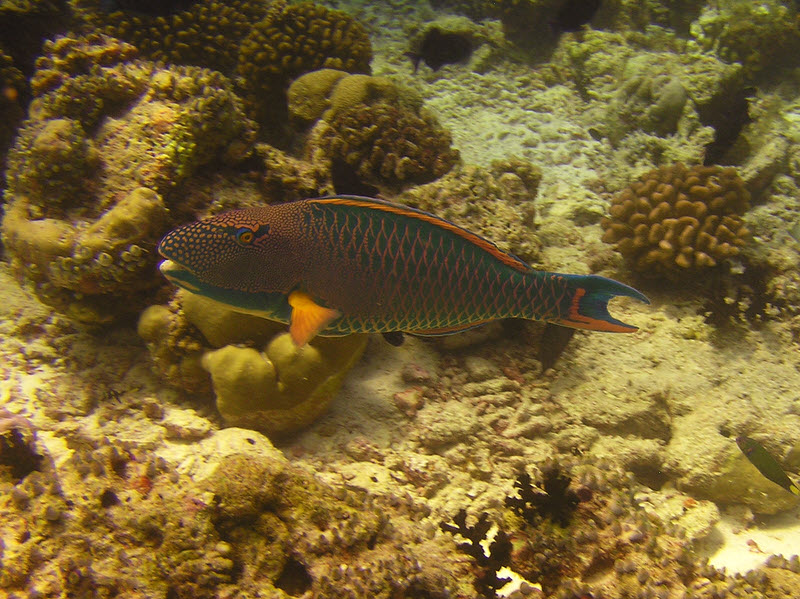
[676,219]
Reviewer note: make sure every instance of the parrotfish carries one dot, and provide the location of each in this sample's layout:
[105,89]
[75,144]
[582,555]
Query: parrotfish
[768,466]
[347,264]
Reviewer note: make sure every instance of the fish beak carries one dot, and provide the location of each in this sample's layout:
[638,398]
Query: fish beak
[166,267]
[176,275]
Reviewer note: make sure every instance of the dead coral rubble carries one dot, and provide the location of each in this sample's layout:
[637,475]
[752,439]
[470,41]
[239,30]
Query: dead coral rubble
[679,219]
[112,520]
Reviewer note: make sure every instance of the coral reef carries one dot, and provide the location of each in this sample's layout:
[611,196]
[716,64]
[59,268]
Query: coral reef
[204,33]
[384,144]
[94,170]
[294,39]
[285,178]
[679,219]
[276,389]
[497,203]
[615,544]
[114,519]
[764,37]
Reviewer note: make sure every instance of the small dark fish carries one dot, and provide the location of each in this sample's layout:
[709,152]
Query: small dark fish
[574,14]
[438,48]
[766,464]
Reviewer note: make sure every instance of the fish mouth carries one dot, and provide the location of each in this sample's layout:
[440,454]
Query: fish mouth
[178,275]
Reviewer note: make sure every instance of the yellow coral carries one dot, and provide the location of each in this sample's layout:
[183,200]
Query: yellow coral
[284,388]
[261,380]
[676,218]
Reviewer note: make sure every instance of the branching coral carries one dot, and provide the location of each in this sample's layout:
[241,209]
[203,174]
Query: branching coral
[678,219]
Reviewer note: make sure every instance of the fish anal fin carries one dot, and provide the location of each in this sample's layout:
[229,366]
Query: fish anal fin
[308,317]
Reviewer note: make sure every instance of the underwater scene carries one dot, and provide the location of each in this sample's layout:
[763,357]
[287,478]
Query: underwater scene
[413,299]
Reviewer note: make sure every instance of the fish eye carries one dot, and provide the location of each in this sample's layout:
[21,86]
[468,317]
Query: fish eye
[244,236]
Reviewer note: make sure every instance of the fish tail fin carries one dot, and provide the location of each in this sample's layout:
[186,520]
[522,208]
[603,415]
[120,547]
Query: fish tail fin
[588,304]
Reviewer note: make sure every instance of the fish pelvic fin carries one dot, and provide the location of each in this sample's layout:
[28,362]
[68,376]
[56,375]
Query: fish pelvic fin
[308,318]
[588,308]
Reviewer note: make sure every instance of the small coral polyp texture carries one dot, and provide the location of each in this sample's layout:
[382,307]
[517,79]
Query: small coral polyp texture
[387,144]
[678,219]
[97,167]
[294,39]
[204,33]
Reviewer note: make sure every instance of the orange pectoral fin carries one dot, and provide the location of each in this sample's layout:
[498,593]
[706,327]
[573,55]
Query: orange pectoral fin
[308,318]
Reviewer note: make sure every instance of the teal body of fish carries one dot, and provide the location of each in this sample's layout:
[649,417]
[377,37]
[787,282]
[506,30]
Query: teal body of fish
[341,265]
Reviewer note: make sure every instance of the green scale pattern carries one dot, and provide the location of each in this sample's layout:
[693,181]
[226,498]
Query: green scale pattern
[388,270]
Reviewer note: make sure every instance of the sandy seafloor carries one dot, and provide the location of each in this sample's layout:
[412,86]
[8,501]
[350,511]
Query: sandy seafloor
[665,402]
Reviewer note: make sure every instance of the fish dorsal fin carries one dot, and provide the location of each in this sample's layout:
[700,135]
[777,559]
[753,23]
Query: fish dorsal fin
[384,206]
[308,317]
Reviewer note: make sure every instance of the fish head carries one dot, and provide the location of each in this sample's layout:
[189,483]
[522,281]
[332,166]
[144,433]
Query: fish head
[233,257]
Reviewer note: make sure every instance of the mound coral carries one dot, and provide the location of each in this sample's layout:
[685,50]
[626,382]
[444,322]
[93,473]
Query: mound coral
[294,39]
[678,219]
[385,144]
[276,389]
[92,166]
[327,92]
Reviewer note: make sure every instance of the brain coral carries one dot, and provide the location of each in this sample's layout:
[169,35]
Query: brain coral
[385,144]
[678,218]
